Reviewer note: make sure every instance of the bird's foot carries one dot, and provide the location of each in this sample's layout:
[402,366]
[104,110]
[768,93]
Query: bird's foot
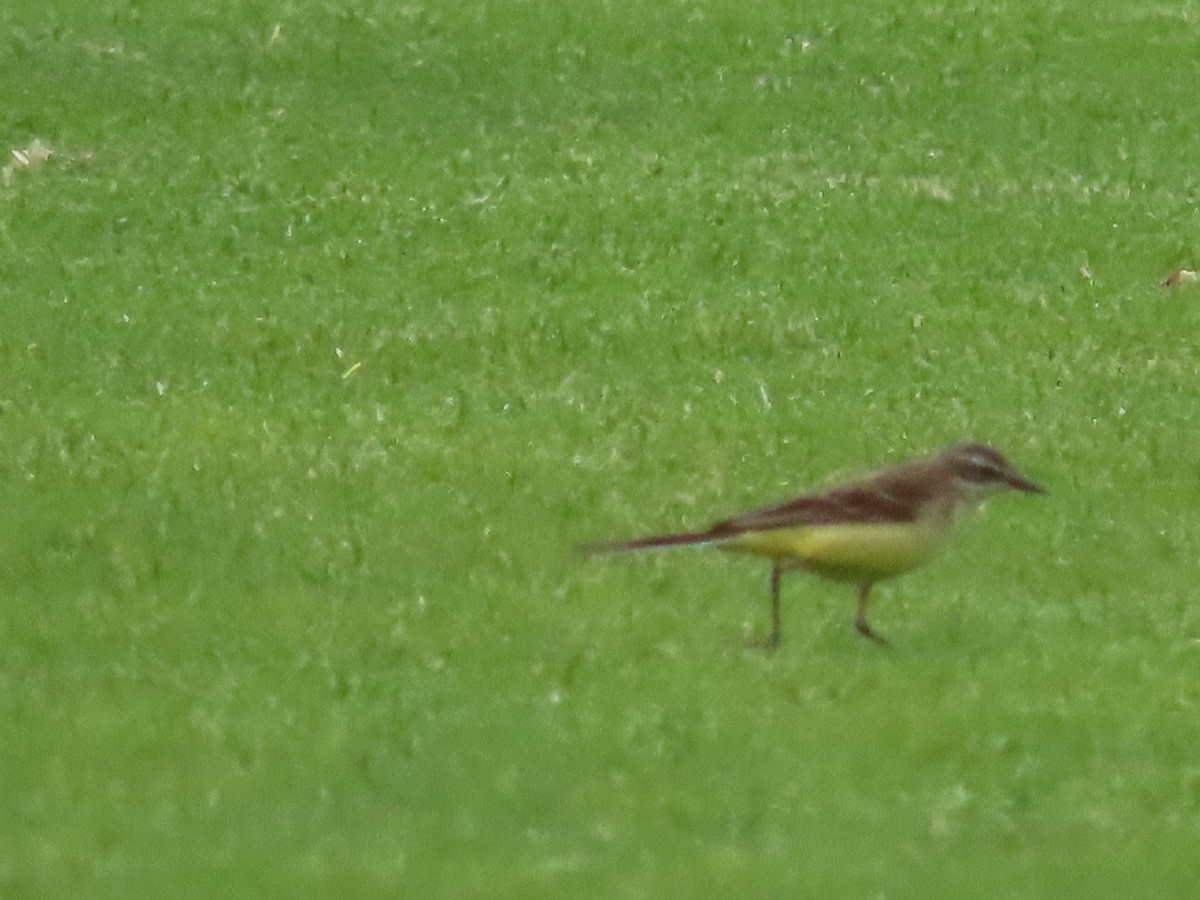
[867,631]
[766,644]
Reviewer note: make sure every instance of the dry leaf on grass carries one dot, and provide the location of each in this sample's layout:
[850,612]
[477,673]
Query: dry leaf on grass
[33,155]
[1180,276]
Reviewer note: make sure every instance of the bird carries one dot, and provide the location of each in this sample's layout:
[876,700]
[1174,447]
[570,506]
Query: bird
[875,526]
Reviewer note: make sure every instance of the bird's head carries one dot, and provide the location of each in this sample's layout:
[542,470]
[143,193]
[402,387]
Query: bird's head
[980,470]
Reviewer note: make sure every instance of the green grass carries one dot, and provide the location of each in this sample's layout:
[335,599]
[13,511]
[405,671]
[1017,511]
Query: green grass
[329,328]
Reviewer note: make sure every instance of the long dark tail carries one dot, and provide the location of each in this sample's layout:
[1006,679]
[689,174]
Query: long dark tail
[656,542]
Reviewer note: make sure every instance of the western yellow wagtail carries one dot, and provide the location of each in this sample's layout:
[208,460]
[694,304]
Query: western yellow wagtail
[879,525]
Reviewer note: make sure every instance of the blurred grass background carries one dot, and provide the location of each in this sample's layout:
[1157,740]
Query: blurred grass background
[328,329]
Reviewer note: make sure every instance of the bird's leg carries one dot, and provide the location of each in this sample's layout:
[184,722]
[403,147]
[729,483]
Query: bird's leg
[771,641]
[773,637]
[860,620]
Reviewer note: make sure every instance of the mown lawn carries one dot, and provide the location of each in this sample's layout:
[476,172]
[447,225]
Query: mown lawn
[328,329]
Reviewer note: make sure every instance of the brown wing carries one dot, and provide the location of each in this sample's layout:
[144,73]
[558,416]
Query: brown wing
[880,500]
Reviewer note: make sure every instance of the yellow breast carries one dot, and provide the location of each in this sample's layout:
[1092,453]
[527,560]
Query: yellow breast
[848,552]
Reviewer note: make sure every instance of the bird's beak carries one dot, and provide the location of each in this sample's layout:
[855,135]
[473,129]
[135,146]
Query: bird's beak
[1018,483]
